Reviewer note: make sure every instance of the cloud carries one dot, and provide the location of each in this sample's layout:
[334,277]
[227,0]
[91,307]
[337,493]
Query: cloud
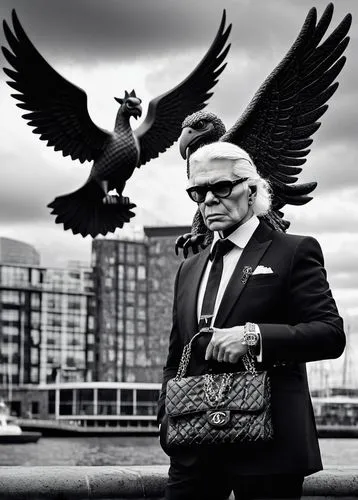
[90,31]
[335,212]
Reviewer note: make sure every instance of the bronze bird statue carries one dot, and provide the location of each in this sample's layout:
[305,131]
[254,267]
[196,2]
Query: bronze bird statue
[277,126]
[58,113]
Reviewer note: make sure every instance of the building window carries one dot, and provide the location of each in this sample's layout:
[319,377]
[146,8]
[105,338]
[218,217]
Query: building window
[35,301]
[141,272]
[10,314]
[10,297]
[90,322]
[36,277]
[34,407]
[74,303]
[130,272]
[34,373]
[35,319]
[130,342]
[10,330]
[54,319]
[120,272]
[142,300]
[130,312]
[130,254]
[34,356]
[35,337]
[129,326]
[129,358]
[141,314]
[130,298]
[141,327]
[90,338]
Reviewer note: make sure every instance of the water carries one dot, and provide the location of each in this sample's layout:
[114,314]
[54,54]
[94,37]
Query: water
[132,451]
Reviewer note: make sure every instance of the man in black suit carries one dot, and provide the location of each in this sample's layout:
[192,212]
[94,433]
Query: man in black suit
[273,294]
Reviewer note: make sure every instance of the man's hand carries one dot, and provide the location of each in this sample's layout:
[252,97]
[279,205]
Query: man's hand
[226,345]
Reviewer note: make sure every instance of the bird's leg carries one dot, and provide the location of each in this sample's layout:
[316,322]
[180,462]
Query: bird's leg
[123,200]
[109,199]
[106,198]
[115,199]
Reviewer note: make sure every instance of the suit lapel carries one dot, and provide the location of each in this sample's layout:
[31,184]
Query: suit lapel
[250,257]
[189,292]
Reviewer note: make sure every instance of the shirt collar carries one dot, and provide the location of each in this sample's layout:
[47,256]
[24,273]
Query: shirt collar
[240,237]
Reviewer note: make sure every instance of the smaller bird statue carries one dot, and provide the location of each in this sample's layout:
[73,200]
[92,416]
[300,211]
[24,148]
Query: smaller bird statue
[276,127]
[58,113]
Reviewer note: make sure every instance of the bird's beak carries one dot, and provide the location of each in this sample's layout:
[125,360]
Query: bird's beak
[137,112]
[187,136]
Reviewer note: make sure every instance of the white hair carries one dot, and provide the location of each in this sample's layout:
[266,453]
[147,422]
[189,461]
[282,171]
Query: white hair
[242,166]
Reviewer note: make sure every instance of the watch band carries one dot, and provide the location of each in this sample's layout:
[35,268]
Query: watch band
[251,338]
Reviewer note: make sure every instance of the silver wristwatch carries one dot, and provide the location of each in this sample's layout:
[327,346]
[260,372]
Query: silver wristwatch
[251,337]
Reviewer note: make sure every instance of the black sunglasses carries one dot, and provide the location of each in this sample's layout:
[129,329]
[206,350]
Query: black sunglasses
[221,189]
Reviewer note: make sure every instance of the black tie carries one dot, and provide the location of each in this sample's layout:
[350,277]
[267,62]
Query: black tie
[221,248]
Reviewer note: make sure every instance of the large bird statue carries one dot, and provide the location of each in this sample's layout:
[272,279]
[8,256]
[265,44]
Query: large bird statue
[277,126]
[58,113]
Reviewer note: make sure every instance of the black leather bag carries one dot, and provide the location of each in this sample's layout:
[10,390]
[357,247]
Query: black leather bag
[216,409]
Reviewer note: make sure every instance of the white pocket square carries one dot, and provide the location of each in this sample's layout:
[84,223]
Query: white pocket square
[262,270]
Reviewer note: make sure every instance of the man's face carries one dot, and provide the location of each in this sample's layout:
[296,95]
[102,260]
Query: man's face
[220,214]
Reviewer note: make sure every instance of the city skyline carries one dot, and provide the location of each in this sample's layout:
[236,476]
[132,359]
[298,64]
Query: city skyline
[108,47]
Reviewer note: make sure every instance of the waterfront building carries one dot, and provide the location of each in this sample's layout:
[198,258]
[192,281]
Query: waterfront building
[18,252]
[46,325]
[77,406]
[134,281]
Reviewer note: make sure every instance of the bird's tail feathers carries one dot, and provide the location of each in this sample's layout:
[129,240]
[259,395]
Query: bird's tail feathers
[84,212]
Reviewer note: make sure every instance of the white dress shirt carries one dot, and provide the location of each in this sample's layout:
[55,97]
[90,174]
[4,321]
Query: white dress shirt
[240,237]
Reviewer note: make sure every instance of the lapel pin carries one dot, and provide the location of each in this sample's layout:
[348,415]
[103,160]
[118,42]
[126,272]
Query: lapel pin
[246,273]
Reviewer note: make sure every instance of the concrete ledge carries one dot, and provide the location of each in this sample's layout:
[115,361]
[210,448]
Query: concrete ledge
[137,482]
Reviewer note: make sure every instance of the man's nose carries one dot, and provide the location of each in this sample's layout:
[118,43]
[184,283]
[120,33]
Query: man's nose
[210,198]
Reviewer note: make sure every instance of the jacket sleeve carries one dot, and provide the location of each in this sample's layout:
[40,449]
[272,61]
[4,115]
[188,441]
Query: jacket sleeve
[315,331]
[174,354]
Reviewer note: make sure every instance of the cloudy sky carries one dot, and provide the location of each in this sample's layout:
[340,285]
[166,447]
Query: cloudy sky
[109,46]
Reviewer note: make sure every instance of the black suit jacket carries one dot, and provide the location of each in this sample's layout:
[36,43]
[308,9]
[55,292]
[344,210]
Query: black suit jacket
[299,322]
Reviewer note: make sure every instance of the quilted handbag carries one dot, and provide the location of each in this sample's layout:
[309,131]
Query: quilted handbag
[215,409]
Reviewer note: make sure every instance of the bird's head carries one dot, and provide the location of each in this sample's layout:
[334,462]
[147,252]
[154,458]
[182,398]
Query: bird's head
[199,129]
[130,104]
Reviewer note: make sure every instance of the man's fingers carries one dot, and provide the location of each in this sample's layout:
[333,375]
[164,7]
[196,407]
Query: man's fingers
[215,353]
[231,357]
[227,357]
[221,354]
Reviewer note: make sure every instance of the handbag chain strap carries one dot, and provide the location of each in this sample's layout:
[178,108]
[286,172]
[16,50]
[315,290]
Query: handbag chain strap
[185,358]
[247,359]
[215,392]
[249,364]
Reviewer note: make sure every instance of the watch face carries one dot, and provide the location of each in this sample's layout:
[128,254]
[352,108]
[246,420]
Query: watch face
[251,338]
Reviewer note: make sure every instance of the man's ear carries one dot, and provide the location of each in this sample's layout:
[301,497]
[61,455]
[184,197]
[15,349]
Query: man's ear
[252,195]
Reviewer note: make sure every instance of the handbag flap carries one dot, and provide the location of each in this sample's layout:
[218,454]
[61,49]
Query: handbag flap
[248,393]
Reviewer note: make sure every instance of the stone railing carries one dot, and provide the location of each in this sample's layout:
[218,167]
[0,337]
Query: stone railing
[137,482]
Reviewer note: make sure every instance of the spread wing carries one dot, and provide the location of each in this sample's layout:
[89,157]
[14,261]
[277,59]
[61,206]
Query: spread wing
[166,113]
[58,109]
[277,126]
